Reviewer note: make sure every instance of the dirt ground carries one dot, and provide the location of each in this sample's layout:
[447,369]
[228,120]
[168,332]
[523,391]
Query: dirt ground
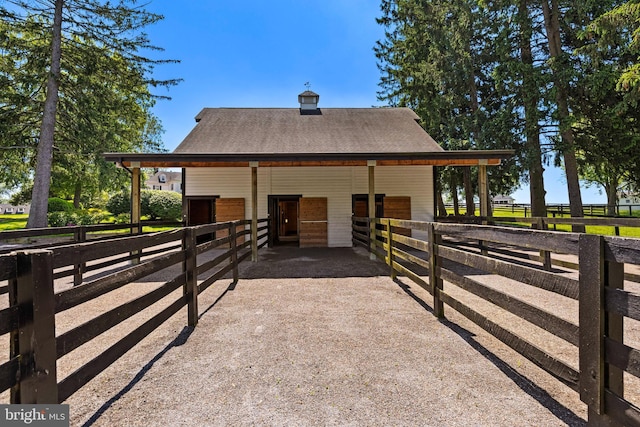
[310,337]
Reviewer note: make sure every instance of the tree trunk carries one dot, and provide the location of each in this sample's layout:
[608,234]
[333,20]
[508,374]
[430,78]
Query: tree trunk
[468,191]
[77,193]
[441,209]
[552,25]
[531,98]
[612,195]
[453,185]
[441,206]
[44,159]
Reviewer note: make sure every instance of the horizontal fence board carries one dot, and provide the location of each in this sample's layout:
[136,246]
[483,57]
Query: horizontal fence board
[405,223]
[8,267]
[555,367]
[566,243]
[611,222]
[622,302]
[420,245]
[90,290]
[212,263]
[215,277]
[622,411]
[541,318]
[211,228]
[80,335]
[212,244]
[622,249]
[91,369]
[541,279]
[83,252]
[9,319]
[622,356]
[411,258]
[8,373]
[411,275]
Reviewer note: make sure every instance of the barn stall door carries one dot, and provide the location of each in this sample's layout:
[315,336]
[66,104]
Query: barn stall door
[313,222]
[230,209]
[398,207]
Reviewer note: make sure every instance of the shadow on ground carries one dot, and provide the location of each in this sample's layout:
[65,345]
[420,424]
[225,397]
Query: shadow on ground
[292,262]
[539,394]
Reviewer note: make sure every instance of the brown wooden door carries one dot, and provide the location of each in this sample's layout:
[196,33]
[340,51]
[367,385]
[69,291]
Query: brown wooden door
[398,207]
[230,209]
[200,211]
[313,222]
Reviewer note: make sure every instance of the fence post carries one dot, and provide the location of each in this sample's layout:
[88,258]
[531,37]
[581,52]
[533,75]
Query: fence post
[434,262]
[234,251]
[614,328]
[80,236]
[390,250]
[595,324]
[35,340]
[190,288]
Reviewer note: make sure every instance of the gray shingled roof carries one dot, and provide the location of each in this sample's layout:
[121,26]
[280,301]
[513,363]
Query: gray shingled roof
[286,130]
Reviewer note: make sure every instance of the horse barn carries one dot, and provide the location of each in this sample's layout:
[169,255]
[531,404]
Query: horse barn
[308,169]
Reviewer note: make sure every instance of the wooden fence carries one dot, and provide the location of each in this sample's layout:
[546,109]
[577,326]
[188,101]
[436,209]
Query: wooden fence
[598,210]
[35,238]
[598,334]
[34,301]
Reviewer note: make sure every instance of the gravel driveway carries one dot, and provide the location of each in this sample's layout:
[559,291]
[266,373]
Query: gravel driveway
[321,337]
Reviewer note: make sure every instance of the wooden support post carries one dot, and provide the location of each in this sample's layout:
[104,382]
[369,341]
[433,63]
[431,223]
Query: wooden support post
[35,339]
[482,188]
[372,208]
[484,200]
[135,208]
[434,262]
[592,327]
[614,326]
[234,251]
[191,275]
[254,211]
[80,236]
[390,249]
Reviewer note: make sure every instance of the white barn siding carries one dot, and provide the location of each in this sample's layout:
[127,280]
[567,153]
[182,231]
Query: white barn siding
[337,184]
[413,181]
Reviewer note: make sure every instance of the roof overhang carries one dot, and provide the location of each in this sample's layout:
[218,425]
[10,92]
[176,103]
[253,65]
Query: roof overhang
[185,160]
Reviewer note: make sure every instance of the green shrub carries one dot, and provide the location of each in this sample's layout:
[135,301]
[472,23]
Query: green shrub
[58,219]
[123,218]
[64,219]
[119,203]
[165,205]
[87,217]
[154,204]
[145,203]
[56,204]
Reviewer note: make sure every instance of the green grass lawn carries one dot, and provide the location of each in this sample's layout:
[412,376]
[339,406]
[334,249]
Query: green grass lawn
[506,212]
[13,221]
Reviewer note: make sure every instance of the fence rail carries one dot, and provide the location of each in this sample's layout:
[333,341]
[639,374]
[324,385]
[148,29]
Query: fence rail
[440,264]
[37,238]
[30,373]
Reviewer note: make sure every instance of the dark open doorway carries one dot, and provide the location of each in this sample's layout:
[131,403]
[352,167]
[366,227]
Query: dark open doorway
[360,205]
[284,212]
[201,210]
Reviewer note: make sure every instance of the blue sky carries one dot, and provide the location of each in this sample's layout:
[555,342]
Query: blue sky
[256,53]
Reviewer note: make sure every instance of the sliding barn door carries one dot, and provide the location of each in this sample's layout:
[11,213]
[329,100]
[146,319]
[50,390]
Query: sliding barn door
[230,209]
[398,207]
[313,222]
